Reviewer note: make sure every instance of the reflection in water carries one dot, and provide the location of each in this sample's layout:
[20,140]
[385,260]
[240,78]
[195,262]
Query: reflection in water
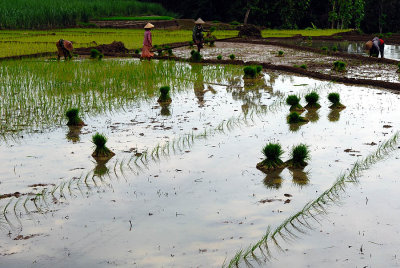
[198,85]
[165,110]
[273,180]
[73,133]
[300,178]
[296,127]
[334,115]
[101,169]
[312,115]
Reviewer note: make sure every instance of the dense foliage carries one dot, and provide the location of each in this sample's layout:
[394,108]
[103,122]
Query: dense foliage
[36,14]
[369,15]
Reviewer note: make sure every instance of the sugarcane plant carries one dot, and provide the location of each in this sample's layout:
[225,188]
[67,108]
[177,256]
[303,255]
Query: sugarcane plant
[272,161]
[294,102]
[334,98]
[312,101]
[164,95]
[73,117]
[299,155]
[101,152]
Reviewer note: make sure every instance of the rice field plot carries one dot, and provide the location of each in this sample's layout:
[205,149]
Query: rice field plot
[183,188]
[31,42]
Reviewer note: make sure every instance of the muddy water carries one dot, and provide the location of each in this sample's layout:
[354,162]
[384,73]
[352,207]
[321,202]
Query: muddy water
[197,205]
[314,61]
[391,51]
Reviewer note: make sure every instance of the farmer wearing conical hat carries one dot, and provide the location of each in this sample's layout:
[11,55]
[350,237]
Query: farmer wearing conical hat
[375,47]
[198,37]
[64,48]
[147,42]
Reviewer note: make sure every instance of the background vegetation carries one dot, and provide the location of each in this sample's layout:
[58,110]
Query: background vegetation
[39,14]
[369,15]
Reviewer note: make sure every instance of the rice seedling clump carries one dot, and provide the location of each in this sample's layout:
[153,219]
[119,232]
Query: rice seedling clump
[219,57]
[339,66]
[334,98]
[73,117]
[281,53]
[196,56]
[164,97]
[250,72]
[299,155]
[272,161]
[312,101]
[294,103]
[101,152]
[232,56]
[295,118]
[95,54]
[398,70]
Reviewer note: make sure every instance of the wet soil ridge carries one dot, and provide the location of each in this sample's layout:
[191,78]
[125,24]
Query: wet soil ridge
[302,221]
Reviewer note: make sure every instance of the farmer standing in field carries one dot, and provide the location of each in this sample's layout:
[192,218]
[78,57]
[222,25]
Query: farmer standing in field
[147,42]
[198,37]
[64,48]
[375,47]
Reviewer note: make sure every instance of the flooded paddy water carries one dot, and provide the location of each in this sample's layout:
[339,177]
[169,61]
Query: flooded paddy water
[183,188]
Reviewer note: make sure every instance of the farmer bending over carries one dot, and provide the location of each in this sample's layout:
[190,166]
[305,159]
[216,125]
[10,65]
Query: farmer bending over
[198,37]
[375,47]
[64,48]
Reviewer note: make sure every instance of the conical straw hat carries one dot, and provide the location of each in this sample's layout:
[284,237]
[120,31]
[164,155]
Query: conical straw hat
[199,21]
[149,26]
[368,45]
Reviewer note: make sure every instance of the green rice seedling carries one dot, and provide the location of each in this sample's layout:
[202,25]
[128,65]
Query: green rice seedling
[250,72]
[232,57]
[299,155]
[94,53]
[191,44]
[334,98]
[339,66]
[312,101]
[398,70]
[101,56]
[281,53]
[212,43]
[272,161]
[170,52]
[334,48]
[73,117]
[295,118]
[303,66]
[294,102]
[164,97]
[137,51]
[219,57]
[325,49]
[196,56]
[258,68]
[101,152]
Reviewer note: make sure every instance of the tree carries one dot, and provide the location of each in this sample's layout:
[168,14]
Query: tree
[251,4]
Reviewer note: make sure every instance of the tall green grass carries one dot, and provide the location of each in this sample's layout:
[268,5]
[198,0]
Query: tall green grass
[39,14]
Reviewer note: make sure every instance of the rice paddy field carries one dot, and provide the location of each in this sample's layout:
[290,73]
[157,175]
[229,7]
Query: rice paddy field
[183,189]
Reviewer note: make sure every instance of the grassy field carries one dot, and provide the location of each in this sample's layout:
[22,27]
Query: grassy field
[23,42]
[312,32]
[14,43]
